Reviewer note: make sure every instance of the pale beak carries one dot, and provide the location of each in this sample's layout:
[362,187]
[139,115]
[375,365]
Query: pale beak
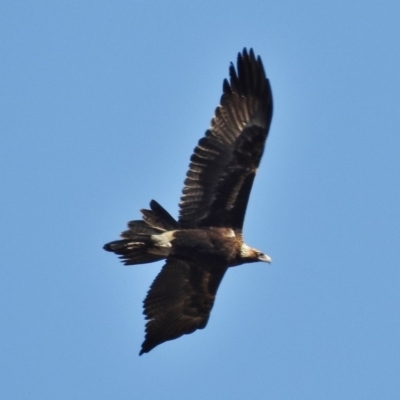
[265,258]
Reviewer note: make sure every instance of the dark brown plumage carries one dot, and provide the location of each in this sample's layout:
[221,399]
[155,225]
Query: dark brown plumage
[207,238]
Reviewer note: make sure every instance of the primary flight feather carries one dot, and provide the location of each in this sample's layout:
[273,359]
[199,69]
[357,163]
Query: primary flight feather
[207,238]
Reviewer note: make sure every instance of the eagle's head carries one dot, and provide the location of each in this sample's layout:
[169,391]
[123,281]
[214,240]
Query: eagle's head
[249,254]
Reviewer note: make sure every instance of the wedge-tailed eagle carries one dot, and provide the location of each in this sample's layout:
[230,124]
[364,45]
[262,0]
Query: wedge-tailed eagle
[207,237]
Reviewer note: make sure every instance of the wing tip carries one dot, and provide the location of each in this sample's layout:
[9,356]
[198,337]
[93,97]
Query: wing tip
[143,351]
[248,75]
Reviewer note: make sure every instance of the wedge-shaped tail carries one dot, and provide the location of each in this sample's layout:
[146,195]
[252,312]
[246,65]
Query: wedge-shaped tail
[137,246]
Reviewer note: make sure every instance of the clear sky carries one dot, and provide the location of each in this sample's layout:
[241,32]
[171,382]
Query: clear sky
[101,105]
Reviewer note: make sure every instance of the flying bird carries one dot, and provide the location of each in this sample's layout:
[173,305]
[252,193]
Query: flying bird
[207,238]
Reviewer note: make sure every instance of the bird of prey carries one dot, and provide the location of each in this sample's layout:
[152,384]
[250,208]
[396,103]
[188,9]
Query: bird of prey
[207,238]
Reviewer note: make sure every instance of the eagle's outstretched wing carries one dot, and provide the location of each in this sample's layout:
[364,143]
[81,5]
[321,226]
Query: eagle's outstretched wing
[224,163]
[180,300]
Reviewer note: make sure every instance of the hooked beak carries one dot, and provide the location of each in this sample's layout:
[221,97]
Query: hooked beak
[265,258]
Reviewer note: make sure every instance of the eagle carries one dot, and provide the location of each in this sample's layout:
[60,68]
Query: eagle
[207,239]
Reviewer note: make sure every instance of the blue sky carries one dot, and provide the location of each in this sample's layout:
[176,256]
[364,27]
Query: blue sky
[101,106]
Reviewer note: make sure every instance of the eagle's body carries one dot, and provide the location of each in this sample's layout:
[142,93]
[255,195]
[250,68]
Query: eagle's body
[207,238]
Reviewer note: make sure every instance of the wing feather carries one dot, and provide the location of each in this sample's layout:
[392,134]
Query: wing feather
[180,300]
[223,165]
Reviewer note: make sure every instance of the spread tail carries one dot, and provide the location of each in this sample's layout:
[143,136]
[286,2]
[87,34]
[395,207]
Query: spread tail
[137,247]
